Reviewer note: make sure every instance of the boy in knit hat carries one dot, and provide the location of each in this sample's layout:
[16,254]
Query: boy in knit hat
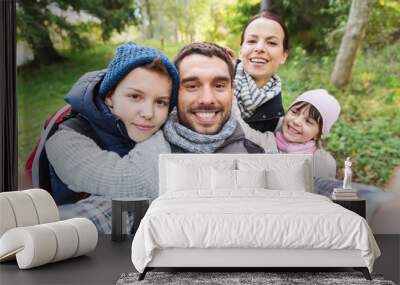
[124,105]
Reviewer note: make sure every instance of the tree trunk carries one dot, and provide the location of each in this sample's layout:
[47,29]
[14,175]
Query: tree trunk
[176,22]
[265,5]
[352,38]
[36,33]
[150,29]
[44,51]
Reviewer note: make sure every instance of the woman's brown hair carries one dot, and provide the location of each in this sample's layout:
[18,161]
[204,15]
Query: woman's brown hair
[273,17]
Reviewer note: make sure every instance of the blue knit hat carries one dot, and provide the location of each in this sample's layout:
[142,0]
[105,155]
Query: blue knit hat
[128,57]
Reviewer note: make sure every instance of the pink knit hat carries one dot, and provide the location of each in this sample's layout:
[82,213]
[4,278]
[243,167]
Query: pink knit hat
[326,104]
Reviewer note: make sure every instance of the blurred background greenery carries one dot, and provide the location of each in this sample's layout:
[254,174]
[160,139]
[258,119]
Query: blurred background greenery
[68,38]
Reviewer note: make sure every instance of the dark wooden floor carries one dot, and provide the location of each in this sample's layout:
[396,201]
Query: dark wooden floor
[102,266]
[110,260]
[389,262]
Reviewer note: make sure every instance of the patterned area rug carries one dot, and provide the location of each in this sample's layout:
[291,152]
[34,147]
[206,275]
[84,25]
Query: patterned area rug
[269,278]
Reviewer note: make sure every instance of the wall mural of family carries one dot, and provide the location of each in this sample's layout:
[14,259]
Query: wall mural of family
[123,117]
[208,99]
[288,118]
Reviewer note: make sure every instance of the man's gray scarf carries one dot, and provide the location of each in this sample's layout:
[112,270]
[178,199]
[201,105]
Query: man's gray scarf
[250,97]
[193,142]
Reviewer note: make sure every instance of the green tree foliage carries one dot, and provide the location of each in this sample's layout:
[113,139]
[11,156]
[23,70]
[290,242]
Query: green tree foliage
[318,26]
[215,25]
[241,13]
[184,21]
[177,20]
[384,24]
[308,22]
[36,22]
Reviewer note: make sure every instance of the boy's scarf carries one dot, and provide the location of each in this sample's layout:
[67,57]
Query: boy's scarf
[300,148]
[193,142]
[249,96]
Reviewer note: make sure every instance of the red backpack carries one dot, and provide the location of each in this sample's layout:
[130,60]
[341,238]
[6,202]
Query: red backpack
[37,164]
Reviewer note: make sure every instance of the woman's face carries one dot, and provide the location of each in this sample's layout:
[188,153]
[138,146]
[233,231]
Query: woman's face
[298,126]
[262,49]
[141,101]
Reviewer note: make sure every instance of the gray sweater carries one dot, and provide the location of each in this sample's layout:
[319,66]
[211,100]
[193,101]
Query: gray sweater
[85,167]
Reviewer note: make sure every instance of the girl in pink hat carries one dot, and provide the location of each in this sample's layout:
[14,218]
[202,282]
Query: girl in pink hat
[310,116]
[300,131]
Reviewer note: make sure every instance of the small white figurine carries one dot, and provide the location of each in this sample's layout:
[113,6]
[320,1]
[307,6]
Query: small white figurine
[348,173]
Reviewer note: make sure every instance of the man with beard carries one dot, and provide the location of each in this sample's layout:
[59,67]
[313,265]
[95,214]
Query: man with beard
[204,122]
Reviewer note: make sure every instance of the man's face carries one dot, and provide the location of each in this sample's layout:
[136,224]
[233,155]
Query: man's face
[205,93]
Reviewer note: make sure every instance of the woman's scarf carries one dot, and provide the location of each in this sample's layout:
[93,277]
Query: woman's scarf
[193,142]
[300,148]
[249,96]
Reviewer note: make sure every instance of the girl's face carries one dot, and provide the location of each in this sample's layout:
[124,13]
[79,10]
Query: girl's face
[141,101]
[262,49]
[298,126]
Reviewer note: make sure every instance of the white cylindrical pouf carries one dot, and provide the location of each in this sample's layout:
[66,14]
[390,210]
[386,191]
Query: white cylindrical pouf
[87,234]
[46,208]
[33,246]
[67,240]
[7,218]
[23,208]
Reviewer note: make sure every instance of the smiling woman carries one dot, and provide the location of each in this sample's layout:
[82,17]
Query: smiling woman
[263,48]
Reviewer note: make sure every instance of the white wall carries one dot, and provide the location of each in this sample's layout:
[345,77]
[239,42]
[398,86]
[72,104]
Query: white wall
[24,53]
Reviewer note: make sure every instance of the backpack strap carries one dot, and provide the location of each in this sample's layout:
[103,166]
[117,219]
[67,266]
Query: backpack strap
[81,125]
[44,135]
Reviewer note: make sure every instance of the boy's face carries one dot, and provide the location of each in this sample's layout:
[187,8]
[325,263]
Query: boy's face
[141,101]
[205,93]
[298,126]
